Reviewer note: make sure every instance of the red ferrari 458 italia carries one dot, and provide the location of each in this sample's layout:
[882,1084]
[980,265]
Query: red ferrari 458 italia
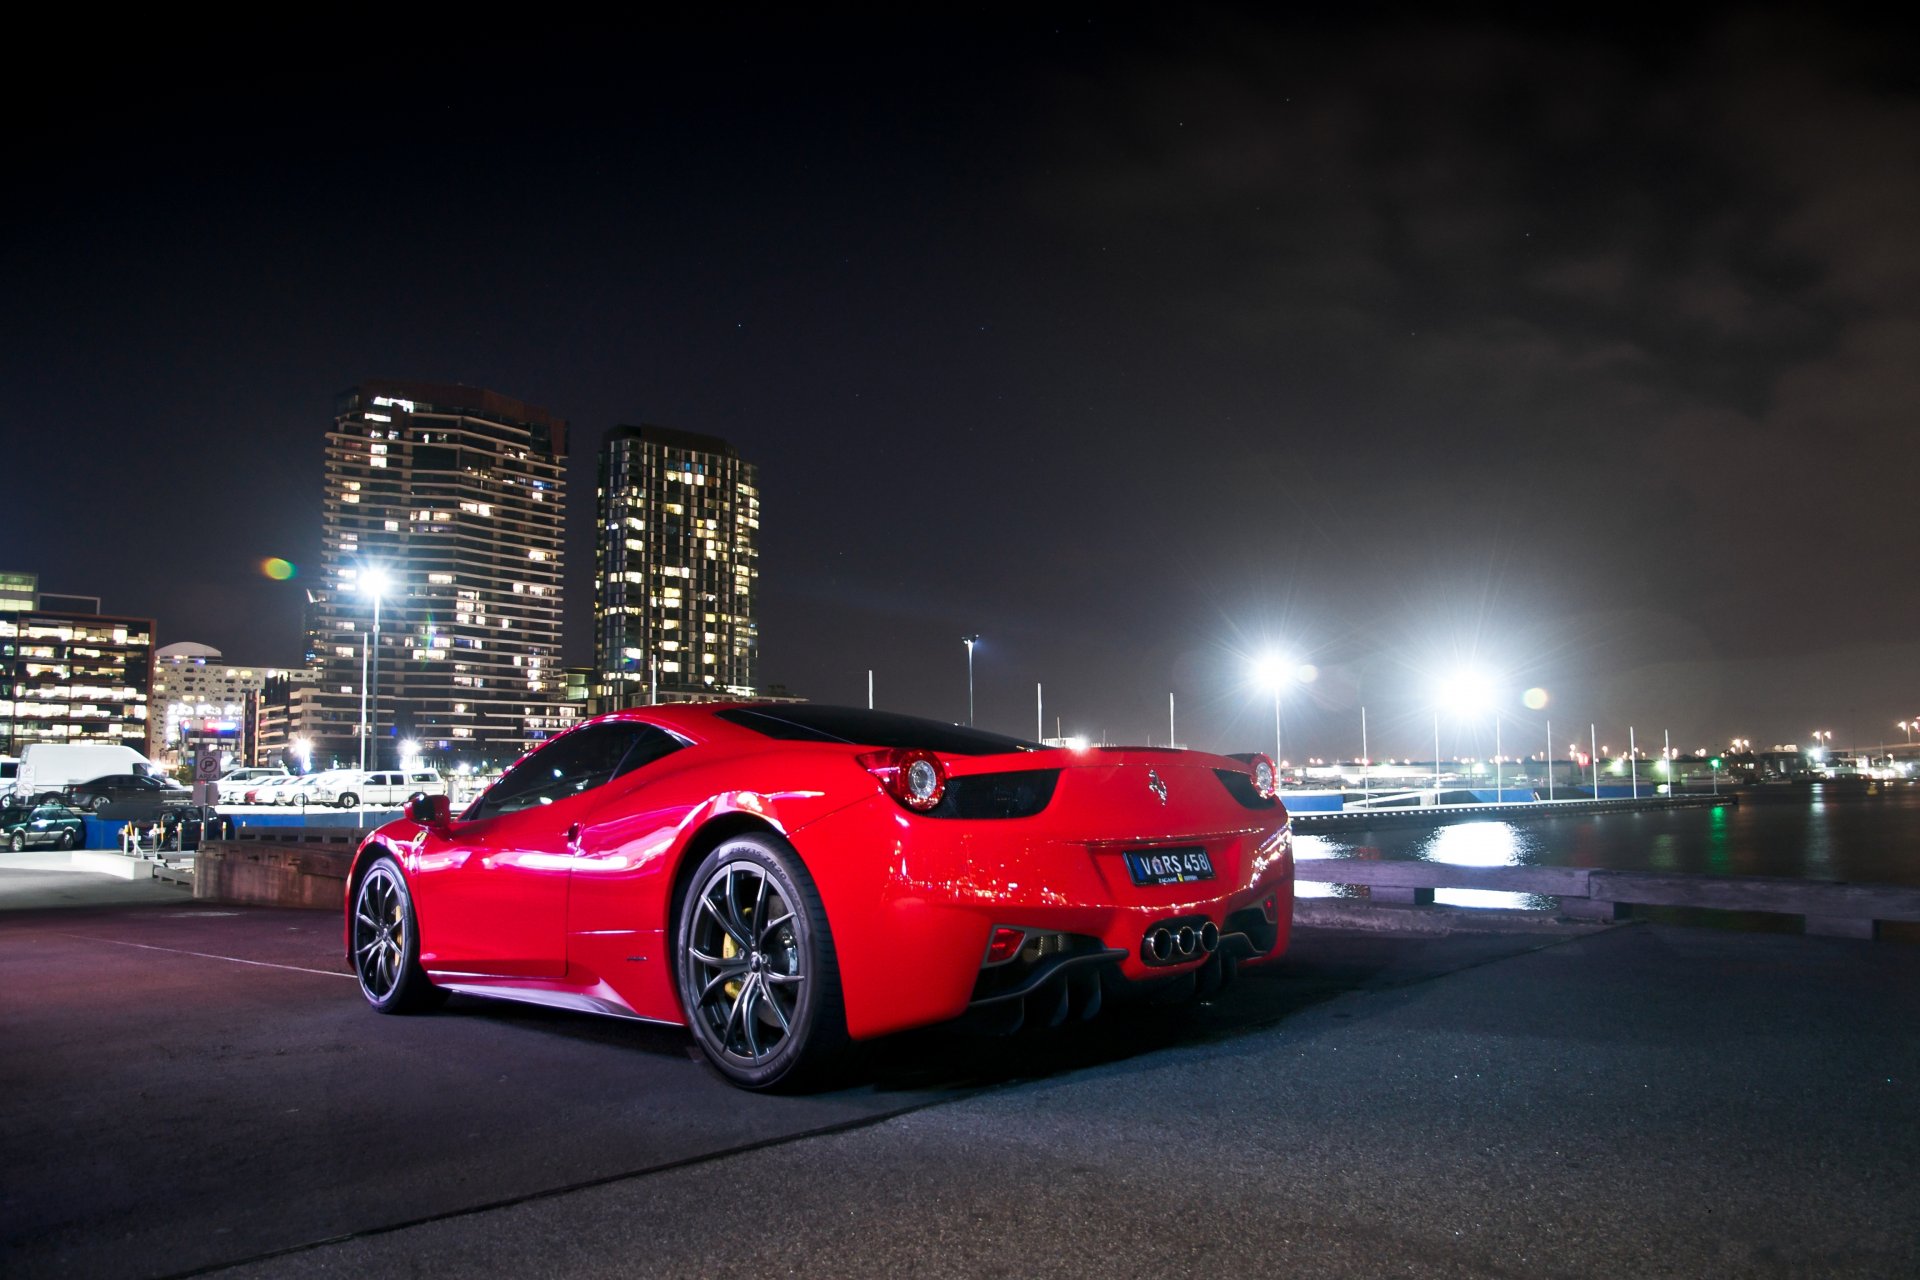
[782,878]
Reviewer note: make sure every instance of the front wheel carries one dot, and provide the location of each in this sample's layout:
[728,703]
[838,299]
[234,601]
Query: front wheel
[347,801]
[19,842]
[757,973]
[386,942]
[67,840]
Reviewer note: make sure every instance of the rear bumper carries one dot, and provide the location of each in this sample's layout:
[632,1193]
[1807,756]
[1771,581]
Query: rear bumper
[913,901]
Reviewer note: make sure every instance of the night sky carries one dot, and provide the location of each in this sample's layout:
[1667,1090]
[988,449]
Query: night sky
[1587,354]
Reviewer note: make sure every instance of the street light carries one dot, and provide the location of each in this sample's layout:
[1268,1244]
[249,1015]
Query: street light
[373,582]
[970,641]
[1469,693]
[1276,672]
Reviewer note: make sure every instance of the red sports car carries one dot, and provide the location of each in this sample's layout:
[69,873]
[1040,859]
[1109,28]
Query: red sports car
[784,877]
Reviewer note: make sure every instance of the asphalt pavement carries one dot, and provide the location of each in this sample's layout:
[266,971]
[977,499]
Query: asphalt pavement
[187,1089]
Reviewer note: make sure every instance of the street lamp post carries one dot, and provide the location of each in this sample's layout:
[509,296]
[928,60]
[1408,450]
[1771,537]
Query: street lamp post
[970,641]
[1276,672]
[372,582]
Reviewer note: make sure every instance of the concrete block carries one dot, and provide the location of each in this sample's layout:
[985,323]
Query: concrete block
[1403,894]
[113,864]
[1591,909]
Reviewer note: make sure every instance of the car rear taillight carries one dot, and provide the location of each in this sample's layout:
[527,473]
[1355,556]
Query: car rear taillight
[915,778]
[1266,779]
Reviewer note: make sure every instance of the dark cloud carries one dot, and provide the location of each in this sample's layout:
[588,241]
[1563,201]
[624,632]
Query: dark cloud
[1572,346]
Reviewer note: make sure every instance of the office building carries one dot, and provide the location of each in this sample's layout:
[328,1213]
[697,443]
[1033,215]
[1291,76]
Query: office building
[676,569]
[74,677]
[444,510]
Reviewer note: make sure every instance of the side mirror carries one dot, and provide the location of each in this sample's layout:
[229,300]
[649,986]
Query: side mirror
[430,811]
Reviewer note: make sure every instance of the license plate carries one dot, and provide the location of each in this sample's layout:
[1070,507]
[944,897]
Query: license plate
[1168,866]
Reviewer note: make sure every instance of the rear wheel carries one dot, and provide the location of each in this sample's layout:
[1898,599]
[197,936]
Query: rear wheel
[96,803]
[757,972]
[67,840]
[19,842]
[348,800]
[386,943]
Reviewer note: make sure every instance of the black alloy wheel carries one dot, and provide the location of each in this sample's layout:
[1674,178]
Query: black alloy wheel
[97,802]
[347,800]
[386,943]
[757,973]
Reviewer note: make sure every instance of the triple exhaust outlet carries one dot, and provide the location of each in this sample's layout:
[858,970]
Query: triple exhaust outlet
[1172,943]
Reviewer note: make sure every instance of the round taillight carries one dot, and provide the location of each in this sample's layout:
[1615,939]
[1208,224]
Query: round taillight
[1266,779]
[918,780]
[915,778]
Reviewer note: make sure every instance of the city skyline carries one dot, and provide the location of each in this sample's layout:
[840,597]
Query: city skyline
[1137,347]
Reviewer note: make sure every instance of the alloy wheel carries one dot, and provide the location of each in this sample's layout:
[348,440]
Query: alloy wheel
[380,924]
[746,963]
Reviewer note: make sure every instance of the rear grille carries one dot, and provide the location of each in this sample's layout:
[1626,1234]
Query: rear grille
[1240,787]
[997,795]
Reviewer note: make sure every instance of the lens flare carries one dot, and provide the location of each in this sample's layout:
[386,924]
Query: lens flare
[1535,699]
[279,570]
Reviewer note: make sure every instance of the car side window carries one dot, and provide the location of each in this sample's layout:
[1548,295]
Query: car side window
[586,758]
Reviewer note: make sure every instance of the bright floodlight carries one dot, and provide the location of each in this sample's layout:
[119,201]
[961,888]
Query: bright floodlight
[1276,672]
[374,582]
[1467,693]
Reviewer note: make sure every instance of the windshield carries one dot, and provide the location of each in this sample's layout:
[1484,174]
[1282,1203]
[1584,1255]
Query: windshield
[850,725]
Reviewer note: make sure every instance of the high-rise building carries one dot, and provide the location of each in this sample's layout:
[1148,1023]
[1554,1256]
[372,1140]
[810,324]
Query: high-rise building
[202,700]
[444,512]
[72,677]
[676,569]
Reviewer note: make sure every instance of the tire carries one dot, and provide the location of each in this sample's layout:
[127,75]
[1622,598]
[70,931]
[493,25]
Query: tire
[385,952]
[755,966]
[19,842]
[67,840]
[96,803]
[347,801]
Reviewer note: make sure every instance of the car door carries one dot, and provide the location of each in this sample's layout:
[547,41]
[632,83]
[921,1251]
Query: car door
[491,891]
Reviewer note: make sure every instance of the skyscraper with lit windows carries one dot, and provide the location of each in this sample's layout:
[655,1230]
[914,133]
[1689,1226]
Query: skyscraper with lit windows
[443,522]
[676,569]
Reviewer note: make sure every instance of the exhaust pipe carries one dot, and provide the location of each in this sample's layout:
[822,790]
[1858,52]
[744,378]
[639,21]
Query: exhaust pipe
[1186,941]
[1160,944]
[1209,937]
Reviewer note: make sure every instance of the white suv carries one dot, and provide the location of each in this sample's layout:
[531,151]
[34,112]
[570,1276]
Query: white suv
[382,787]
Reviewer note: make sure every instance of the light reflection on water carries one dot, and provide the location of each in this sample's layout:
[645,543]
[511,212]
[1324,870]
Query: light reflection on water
[1821,834]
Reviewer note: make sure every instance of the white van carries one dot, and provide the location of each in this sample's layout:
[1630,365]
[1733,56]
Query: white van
[53,766]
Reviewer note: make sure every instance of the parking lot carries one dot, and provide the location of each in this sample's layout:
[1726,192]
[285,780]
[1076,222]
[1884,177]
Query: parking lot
[187,1088]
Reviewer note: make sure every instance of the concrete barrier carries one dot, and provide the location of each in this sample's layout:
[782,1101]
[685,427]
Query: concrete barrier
[285,867]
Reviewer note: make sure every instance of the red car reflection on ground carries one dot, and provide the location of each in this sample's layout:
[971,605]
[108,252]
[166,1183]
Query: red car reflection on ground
[782,878]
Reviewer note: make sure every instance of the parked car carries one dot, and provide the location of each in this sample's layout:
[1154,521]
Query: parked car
[272,790]
[308,790]
[960,870]
[232,788]
[47,825]
[117,788]
[381,786]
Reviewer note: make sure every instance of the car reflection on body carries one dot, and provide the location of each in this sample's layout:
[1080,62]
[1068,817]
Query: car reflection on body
[785,878]
[44,826]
